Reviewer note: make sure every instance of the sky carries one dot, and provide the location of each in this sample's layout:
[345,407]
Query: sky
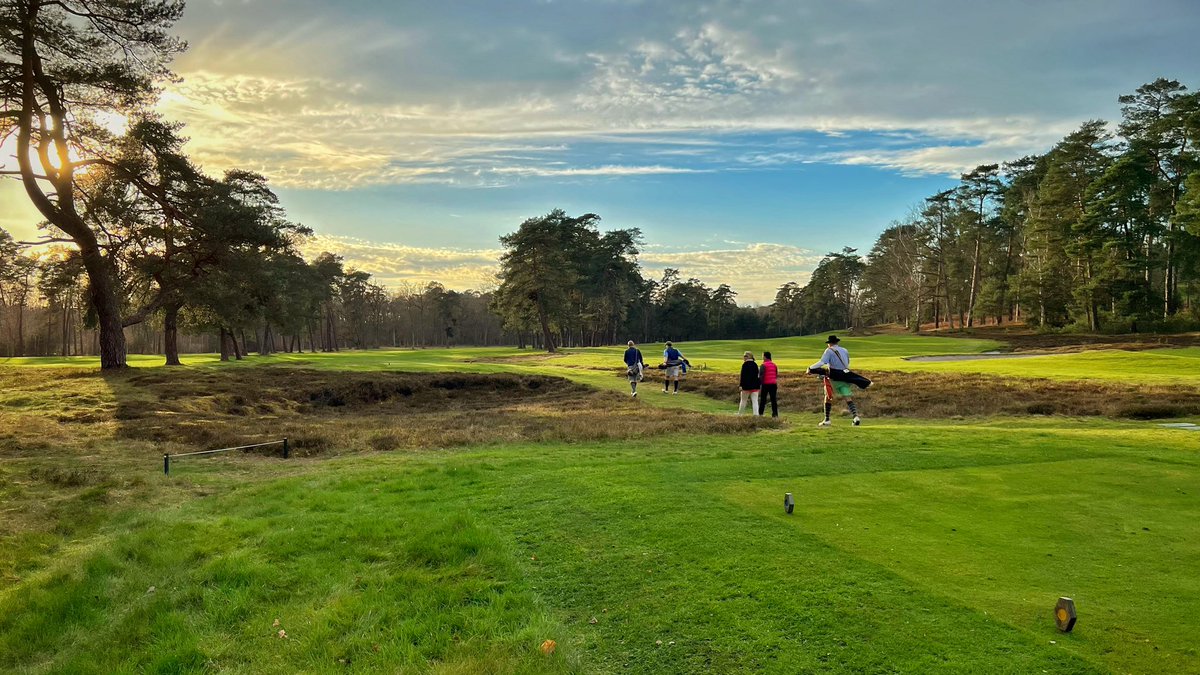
[744,138]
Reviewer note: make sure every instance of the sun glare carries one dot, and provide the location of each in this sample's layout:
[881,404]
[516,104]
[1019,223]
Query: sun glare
[115,123]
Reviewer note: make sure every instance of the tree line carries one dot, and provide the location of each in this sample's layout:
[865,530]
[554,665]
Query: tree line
[1100,233]
[140,244]
[285,305]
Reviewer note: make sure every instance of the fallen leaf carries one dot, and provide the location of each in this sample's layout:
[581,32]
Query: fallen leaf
[658,642]
[151,589]
[548,647]
[275,624]
[593,620]
[282,634]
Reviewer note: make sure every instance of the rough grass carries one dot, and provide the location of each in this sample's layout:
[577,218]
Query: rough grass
[194,409]
[76,446]
[957,395]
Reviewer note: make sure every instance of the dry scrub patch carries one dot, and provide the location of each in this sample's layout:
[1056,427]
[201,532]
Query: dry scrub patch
[77,446]
[329,411]
[944,395]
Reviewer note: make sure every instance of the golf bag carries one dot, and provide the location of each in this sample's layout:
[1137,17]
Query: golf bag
[838,375]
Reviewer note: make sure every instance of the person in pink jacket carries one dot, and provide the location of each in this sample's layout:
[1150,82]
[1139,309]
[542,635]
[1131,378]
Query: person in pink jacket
[768,372]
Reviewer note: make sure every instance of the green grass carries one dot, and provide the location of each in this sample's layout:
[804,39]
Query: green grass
[917,546]
[1157,366]
[595,366]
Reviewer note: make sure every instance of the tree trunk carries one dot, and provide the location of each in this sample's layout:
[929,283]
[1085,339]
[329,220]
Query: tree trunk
[1169,275]
[21,329]
[237,349]
[224,345]
[171,334]
[545,322]
[66,332]
[974,294]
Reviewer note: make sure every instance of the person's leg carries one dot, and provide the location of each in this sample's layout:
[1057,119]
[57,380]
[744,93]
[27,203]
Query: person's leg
[667,382]
[633,386]
[754,405]
[676,384]
[774,401]
[828,400]
[853,410]
[762,399]
[742,402]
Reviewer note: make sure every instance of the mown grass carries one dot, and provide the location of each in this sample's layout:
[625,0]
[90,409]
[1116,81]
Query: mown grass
[915,548]
[1175,366]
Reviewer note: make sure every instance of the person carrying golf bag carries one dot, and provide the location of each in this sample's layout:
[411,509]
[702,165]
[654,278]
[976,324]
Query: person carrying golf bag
[835,358]
[674,366]
[634,365]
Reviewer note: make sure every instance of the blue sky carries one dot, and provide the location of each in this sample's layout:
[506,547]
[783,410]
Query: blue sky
[745,138]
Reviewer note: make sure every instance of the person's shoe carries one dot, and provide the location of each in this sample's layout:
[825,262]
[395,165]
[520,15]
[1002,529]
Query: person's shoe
[634,394]
[857,421]
[825,423]
[675,392]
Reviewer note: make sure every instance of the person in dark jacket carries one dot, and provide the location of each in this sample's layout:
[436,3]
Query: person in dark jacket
[768,373]
[749,384]
[634,366]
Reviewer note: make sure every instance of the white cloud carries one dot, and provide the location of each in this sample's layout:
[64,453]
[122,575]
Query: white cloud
[396,265]
[754,270]
[322,98]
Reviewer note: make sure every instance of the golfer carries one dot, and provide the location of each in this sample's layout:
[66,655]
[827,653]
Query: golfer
[749,384]
[768,372]
[836,357]
[674,362]
[634,365]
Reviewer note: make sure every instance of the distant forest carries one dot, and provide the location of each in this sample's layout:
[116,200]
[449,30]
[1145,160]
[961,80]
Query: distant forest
[144,252]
